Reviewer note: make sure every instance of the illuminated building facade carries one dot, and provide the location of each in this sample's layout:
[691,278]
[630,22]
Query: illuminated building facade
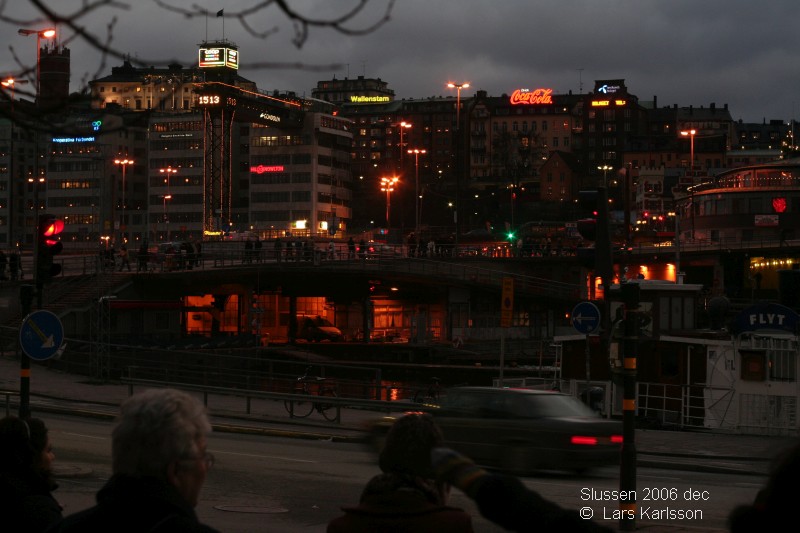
[300,181]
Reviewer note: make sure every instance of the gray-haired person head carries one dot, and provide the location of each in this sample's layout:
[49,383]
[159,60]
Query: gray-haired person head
[159,434]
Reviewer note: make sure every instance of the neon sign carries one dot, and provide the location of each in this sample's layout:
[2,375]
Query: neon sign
[260,169]
[269,116]
[368,99]
[528,97]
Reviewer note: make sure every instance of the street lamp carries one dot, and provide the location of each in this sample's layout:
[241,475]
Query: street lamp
[124,164]
[387,185]
[36,183]
[416,152]
[690,134]
[48,33]
[11,83]
[167,172]
[458,87]
[166,197]
[403,125]
[605,169]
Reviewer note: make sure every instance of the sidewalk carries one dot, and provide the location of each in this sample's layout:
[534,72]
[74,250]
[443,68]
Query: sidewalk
[699,451]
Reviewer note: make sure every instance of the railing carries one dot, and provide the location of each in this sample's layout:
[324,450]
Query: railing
[8,394]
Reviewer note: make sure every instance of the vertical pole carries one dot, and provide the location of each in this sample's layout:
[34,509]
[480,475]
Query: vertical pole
[26,299]
[627,478]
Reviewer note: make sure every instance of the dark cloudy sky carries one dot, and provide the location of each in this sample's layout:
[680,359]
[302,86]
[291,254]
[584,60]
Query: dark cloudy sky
[686,52]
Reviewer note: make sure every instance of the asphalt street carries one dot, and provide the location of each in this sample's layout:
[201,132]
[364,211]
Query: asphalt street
[54,391]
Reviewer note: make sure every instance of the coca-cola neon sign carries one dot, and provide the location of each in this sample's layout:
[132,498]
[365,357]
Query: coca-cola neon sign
[260,169]
[534,97]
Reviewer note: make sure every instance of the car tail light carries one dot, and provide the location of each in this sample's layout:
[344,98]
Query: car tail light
[616,439]
[578,439]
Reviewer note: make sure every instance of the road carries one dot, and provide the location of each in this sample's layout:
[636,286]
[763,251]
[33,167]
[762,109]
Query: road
[284,485]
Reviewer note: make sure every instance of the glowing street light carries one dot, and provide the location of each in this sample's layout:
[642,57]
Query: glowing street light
[416,152]
[690,133]
[403,126]
[124,164]
[458,87]
[387,185]
[166,197]
[48,33]
[605,169]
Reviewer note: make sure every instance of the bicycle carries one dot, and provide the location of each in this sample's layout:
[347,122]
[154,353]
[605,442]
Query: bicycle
[312,386]
[429,396]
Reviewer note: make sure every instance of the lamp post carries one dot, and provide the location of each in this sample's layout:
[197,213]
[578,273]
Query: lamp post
[11,83]
[605,169]
[457,87]
[48,33]
[690,133]
[403,126]
[122,225]
[167,172]
[166,197]
[416,152]
[387,185]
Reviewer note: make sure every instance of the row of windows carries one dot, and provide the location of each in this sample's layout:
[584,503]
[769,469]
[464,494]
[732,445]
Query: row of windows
[272,197]
[189,125]
[743,206]
[280,215]
[158,200]
[183,144]
[278,178]
[279,140]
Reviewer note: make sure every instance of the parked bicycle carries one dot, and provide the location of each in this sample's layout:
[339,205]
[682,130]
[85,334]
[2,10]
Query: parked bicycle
[312,386]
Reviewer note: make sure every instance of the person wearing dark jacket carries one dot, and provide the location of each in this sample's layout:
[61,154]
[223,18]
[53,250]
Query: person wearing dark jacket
[505,500]
[26,480]
[159,465]
[405,498]
[773,507]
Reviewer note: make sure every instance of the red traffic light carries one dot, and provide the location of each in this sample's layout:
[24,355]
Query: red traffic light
[52,227]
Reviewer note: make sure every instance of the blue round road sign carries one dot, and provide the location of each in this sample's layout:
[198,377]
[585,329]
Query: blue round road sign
[586,318]
[41,335]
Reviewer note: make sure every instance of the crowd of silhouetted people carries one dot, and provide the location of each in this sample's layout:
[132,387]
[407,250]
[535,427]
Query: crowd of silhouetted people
[160,462]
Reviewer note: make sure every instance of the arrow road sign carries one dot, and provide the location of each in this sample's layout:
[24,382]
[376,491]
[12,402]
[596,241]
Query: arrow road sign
[586,318]
[41,335]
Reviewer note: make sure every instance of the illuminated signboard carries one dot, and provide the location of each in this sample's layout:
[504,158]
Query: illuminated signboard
[608,89]
[528,97]
[219,57]
[269,116]
[73,139]
[368,99]
[607,103]
[215,100]
[260,169]
[231,58]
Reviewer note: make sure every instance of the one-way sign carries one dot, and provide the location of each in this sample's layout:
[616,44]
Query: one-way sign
[41,335]
[586,318]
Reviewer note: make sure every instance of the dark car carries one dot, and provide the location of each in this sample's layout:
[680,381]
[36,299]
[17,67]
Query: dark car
[524,430]
[317,329]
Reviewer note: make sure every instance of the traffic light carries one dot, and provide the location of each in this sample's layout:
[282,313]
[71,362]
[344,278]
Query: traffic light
[588,214]
[48,246]
[593,225]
